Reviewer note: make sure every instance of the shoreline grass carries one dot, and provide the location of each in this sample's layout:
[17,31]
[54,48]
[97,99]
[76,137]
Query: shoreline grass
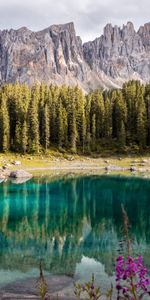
[57,162]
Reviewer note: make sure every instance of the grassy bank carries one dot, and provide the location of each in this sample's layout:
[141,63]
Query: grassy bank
[62,162]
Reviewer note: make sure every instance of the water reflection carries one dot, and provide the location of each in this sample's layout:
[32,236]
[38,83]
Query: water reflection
[65,220]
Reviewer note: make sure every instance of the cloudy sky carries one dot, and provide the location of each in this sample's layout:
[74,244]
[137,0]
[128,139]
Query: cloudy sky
[89,16]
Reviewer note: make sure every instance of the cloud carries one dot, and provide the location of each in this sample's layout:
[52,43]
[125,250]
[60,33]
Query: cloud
[89,16]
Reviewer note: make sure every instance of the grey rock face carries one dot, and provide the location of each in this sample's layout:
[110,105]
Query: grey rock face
[56,55]
[121,53]
[52,55]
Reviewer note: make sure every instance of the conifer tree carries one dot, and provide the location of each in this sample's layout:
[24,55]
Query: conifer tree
[147,105]
[62,126]
[119,115]
[40,117]
[93,131]
[72,126]
[80,117]
[4,124]
[88,122]
[24,137]
[108,119]
[141,123]
[33,121]
[46,127]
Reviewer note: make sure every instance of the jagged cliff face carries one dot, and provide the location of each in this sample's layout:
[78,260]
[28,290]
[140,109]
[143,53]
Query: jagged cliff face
[121,53]
[52,55]
[57,55]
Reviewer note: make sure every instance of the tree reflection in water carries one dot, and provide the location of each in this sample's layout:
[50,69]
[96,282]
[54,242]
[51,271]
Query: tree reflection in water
[66,219]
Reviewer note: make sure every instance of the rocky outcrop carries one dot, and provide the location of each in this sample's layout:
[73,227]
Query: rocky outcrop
[52,55]
[121,54]
[56,55]
[20,174]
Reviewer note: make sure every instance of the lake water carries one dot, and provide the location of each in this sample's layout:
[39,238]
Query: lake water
[73,224]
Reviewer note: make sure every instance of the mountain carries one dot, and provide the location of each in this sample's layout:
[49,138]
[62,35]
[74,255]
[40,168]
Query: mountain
[57,55]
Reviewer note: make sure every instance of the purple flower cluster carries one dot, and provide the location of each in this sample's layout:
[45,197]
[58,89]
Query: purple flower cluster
[132,279]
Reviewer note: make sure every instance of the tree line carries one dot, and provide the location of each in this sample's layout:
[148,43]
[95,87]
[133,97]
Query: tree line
[38,118]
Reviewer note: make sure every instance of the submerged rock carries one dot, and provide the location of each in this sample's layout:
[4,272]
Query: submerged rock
[19,180]
[20,174]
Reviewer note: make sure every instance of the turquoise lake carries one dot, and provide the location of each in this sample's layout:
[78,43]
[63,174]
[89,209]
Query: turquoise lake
[73,224]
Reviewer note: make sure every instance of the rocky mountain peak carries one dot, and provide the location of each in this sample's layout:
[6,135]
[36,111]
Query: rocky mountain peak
[108,30]
[56,54]
[129,27]
[63,27]
[144,33]
[121,53]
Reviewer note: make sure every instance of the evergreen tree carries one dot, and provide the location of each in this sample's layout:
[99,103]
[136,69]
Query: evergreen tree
[147,103]
[4,124]
[122,136]
[33,121]
[141,122]
[53,97]
[108,119]
[62,126]
[72,126]
[93,131]
[88,122]
[119,116]
[80,117]
[98,109]
[40,117]
[24,137]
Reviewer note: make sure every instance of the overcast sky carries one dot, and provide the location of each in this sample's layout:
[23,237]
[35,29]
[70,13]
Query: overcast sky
[89,16]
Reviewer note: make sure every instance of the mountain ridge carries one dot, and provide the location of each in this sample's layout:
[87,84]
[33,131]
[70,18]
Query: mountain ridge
[57,55]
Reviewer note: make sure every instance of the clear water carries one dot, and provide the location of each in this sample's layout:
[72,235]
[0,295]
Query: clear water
[73,224]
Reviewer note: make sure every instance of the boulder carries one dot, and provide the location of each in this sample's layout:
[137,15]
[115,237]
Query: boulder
[142,164]
[106,161]
[8,165]
[17,163]
[133,169]
[70,158]
[4,167]
[114,168]
[20,174]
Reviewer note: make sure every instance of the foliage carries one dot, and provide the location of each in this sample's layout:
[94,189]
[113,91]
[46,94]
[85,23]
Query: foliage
[37,118]
[132,278]
[90,292]
[43,289]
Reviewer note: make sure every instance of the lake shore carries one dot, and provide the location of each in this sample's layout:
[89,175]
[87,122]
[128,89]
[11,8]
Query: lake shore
[59,164]
[60,286]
